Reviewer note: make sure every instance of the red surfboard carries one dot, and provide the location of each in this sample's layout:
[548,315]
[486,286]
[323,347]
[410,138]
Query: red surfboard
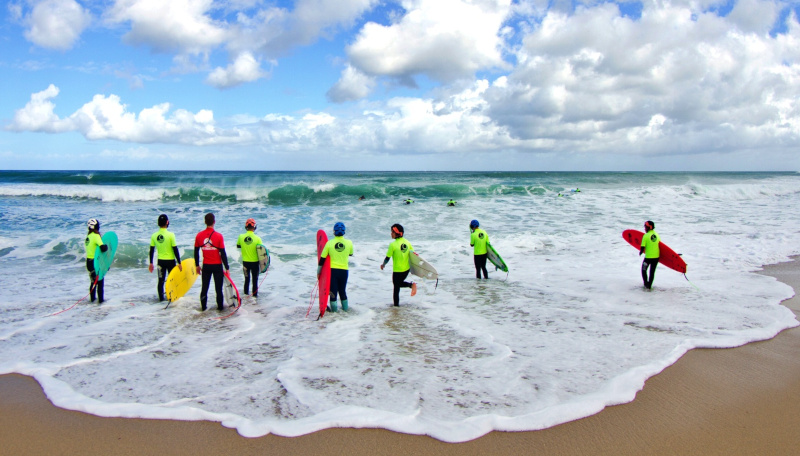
[668,257]
[325,275]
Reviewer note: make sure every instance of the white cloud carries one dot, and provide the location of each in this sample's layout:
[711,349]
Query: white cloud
[106,118]
[54,24]
[182,26]
[675,81]
[353,85]
[244,69]
[443,39]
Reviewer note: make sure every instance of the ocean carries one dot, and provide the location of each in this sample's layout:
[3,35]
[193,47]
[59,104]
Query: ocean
[568,331]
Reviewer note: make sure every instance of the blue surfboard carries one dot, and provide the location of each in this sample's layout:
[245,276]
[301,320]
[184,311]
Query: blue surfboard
[103,260]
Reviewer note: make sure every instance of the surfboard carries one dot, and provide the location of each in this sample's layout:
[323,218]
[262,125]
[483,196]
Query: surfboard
[495,258]
[103,260]
[668,257]
[422,268]
[325,274]
[263,258]
[230,291]
[178,282]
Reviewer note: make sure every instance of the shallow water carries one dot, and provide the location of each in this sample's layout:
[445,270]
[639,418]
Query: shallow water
[568,331]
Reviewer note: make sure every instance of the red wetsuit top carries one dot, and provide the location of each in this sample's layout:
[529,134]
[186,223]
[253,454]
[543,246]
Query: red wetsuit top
[210,242]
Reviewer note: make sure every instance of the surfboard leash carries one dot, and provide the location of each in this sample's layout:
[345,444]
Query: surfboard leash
[70,307]
[687,279]
[313,295]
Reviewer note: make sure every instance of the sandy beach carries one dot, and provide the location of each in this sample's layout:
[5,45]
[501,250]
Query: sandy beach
[743,400]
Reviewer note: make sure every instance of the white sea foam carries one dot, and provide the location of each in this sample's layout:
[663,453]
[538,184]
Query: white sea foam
[567,332]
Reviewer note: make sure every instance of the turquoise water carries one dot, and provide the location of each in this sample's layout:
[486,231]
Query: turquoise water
[566,332]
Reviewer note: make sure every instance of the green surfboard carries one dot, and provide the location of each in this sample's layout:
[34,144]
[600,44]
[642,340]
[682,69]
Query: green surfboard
[495,258]
[103,260]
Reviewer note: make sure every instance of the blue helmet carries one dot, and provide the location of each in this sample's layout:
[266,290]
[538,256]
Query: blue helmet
[474,224]
[338,229]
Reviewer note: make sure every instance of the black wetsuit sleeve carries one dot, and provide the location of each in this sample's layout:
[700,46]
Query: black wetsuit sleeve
[103,248]
[174,250]
[197,256]
[224,258]
[385,260]
[152,249]
[321,261]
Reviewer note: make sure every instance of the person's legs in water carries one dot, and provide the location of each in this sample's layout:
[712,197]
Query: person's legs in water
[250,271]
[398,279]
[164,268]
[206,281]
[333,290]
[339,288]
[480,265]
[651,263]
[92,278]
[218,283]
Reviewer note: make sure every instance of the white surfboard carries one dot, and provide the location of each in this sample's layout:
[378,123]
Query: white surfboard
[422,268]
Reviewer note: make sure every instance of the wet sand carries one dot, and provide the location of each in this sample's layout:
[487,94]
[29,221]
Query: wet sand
[737,401]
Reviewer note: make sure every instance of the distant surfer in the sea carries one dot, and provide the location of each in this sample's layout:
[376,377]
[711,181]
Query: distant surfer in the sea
[399,252]
[362,198]
[478,240]
[340,250]
[214,257]
[247,243]
[168,255]
[451,203]
[651,251]
[93,241]
[408,201]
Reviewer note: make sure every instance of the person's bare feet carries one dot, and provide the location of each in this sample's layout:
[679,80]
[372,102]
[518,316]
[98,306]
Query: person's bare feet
[413,288]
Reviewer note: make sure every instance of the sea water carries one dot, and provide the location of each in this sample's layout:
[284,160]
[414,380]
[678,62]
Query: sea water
[568,331]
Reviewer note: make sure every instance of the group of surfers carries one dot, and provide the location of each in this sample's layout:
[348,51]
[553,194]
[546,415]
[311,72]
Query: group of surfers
[211,245]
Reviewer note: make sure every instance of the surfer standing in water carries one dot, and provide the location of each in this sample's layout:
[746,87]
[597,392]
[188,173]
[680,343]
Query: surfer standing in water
[651,251]
[93,240]
[340,250]
[168,254]
[213,246]
[399,252]
[479,239]
[247,243]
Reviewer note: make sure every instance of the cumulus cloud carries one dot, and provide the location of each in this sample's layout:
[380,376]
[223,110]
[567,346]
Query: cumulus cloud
[676,80]
[54,24]
[443,39]
[106,118]
[182,26]
[245,68]
[353,85]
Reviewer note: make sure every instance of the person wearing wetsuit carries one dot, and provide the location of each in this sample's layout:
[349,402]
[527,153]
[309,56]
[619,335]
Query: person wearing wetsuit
[399,252]
[168,255]
[214,257]
[451,203]
[479,240]
[340,250]
[92,242]
[651,251]
[247,243]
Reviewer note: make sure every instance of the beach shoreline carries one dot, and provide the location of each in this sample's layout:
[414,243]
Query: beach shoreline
[742,400]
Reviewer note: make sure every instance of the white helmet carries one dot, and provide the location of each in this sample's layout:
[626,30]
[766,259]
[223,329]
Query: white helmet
[92,224]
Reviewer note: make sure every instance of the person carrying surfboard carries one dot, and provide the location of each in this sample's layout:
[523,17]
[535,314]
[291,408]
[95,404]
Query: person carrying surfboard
[478,240]
[651,251]
[399,251]
[247,243]
[340,250]
[92,241]
[168,255]
[213,246]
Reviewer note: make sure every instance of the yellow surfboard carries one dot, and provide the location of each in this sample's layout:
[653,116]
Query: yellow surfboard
[178,282]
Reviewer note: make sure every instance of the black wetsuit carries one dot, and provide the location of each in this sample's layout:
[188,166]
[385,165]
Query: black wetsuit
[480,265]
[652,263]
[399,281]
[251,269]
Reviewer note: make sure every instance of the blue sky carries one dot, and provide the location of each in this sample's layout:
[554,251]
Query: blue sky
[400,85]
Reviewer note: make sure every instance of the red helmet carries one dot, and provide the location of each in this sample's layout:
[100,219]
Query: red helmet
[250,222]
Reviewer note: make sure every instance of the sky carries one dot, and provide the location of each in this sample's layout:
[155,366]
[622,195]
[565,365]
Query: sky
[527,85]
